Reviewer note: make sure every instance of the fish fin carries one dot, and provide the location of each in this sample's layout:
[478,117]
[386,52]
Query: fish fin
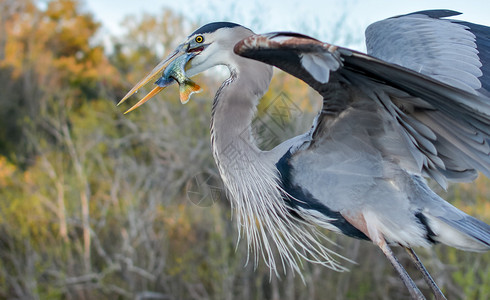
[187,88]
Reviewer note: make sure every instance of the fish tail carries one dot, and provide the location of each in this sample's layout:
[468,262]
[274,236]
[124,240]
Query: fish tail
[187,88]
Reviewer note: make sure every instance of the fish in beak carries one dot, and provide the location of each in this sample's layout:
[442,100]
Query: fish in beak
[173,68]
[176,72]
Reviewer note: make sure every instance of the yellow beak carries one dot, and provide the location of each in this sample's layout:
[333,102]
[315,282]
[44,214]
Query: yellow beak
[157,70]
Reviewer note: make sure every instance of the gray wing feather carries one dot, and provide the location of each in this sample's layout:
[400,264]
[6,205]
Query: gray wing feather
[482,34]
[446,50]
[438,210]
[451,108]
[472,227]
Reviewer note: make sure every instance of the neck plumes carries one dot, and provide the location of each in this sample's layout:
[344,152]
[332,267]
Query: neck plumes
[252,181]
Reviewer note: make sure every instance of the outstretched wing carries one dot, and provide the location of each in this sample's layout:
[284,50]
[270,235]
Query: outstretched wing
[443,117]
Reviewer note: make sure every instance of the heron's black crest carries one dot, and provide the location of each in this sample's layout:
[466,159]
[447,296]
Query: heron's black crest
[211,27]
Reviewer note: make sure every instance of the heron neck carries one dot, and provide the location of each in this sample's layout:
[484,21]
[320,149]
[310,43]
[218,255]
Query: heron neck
[234,107]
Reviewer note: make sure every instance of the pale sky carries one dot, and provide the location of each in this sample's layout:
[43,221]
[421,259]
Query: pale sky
[282,15]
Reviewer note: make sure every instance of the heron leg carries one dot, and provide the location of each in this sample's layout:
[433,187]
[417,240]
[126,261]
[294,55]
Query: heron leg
[359,221]
[414,291]
[433,286]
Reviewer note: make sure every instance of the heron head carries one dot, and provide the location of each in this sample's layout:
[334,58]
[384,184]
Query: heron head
[208,46]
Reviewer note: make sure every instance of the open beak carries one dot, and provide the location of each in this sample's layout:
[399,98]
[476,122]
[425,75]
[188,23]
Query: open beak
[157,70]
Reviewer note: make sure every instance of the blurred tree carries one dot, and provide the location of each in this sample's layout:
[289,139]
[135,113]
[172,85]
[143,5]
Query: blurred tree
[47,55]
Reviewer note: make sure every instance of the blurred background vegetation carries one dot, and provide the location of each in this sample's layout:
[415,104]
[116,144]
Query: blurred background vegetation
[96,205]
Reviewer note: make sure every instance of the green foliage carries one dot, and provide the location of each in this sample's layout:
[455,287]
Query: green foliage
[95,204]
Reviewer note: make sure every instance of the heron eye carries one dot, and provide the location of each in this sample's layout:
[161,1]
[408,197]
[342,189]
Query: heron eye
[199,39]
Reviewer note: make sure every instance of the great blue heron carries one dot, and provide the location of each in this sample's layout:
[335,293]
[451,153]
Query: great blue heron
[417,105]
